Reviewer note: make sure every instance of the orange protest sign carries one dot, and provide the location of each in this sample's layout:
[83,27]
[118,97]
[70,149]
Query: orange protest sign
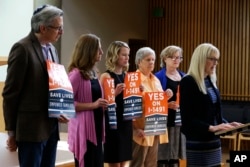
[109,94]
[132,96]
[156,103]
[109,90]
[58,76]
[156,110]
[132,81]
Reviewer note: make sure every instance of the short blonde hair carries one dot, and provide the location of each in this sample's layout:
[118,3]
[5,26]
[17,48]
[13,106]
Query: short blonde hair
[168,52]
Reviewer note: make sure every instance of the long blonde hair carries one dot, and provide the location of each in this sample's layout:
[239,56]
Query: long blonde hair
[198,63]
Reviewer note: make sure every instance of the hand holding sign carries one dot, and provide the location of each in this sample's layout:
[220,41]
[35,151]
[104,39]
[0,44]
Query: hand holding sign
[101,103]
[109,101]
[141,87]
[63,119]
[119,88]
[173,104]
[169,93]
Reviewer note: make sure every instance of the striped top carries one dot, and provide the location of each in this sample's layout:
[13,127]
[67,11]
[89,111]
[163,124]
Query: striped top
[211,91]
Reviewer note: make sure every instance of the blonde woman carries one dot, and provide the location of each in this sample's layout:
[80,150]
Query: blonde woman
[200,108]
[118,144]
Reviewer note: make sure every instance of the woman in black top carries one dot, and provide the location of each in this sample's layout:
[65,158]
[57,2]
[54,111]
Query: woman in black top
[201,110]
[118,144]
[170,76]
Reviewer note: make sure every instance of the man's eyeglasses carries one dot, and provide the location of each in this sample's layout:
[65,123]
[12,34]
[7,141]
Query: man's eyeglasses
[176,58]
[59,28]
[215,60]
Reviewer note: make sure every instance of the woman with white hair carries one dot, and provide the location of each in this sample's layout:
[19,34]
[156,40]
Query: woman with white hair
[201,108]
[145,148]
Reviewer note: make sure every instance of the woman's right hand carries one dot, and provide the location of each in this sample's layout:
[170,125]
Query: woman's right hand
[141,87]
[139,133]
[173,105]
[11,143]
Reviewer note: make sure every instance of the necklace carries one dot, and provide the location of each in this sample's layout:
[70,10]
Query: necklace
[121,80]
[174,76]
[93,74]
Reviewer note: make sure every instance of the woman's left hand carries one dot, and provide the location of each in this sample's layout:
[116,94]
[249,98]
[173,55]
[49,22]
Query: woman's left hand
[235,124]
[119,88]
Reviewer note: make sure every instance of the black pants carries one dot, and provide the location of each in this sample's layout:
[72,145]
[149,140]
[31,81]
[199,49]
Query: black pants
[168,163]
[93,157]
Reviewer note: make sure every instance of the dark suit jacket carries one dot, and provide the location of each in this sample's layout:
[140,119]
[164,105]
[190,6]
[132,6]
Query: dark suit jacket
[197,111]
[25,95]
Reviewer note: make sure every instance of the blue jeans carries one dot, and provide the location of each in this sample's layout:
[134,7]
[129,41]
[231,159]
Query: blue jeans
[38,154]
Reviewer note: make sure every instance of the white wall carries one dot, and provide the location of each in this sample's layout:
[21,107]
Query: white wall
[15,18]
[109,19]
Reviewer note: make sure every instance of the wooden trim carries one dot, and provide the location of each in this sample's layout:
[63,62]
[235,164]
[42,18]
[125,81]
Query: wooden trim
[3,60]
[225,24]
[67,164]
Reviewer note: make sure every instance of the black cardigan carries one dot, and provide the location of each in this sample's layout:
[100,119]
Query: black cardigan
[197,110]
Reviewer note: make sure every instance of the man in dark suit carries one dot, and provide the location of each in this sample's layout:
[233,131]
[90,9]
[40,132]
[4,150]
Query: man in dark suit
[25,95]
